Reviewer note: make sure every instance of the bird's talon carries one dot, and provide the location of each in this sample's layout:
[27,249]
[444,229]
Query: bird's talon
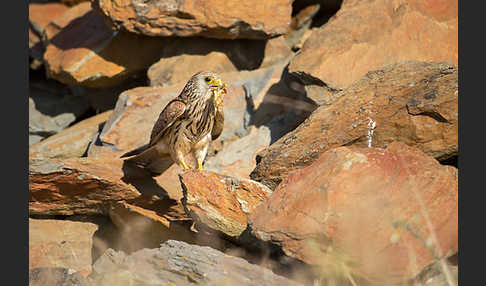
[200,166]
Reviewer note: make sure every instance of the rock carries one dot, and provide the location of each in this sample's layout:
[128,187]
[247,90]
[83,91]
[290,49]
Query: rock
[366,35]
[89,186]
[71,142]
[412,102]
[40,15]
[179,263]
[237,158]
[55,276]
[145,228]
[300,23]
[73,2]
[34,139]
[82,50]
[214,19]
[61,243]
[219,202]
[217,55]
[52,107]
[365,212]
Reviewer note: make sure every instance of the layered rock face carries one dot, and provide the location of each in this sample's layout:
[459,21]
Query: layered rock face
[225,20]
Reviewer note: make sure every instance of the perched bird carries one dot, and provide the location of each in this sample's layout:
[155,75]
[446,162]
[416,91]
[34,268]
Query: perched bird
[185,127]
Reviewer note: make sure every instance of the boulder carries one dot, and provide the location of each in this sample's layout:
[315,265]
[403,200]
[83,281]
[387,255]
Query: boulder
[70,142]
[380,215]
[179,263]
[215,19]
[182,57]
[219,202]
[366,35]
[412,102]
[61,243]
[83,50]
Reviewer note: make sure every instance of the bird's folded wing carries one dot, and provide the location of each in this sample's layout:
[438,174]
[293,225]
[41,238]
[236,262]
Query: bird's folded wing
[218,124]
[171,112]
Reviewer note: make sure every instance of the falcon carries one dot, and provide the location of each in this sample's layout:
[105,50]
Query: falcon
[185,127]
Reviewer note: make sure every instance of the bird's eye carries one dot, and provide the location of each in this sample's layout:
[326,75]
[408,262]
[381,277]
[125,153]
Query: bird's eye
[207,79]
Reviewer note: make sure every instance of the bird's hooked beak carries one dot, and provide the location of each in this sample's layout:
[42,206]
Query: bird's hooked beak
[216,84]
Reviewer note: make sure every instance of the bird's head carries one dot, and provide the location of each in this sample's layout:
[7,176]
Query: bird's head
[204,84]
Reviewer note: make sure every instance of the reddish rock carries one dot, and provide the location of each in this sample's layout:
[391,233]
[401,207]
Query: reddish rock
[366,35]
[71,142]
[39,16]
[92,186]
[215,19]
[412,102]
[377,214]
[220,56]
[61,243]
[220,202]
[83,50]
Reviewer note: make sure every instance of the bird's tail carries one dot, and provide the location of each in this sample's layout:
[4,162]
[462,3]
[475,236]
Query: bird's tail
[135,151]
[151,160]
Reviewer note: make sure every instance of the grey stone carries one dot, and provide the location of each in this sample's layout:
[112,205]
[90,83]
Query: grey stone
[55,276]
[179,263]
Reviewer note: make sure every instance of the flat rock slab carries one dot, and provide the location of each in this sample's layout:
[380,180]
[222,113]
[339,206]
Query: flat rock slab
[228,19]
[219,202]
[91,186]
[378,214]
[61,243]
[70,142]
[412,102]
[179,263]
[367,35]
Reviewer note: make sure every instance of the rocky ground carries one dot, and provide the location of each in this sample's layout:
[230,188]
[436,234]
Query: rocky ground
[337,164]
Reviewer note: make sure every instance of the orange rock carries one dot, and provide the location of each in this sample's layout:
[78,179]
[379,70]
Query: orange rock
[93,185]
[377,214]
[216,19]
[61,243]
[70,142]
[412,102]
[39,16]
[366,35]
[82,50]
[221,202]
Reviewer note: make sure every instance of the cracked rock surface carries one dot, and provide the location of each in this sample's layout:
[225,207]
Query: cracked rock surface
[412,102]
[365,212]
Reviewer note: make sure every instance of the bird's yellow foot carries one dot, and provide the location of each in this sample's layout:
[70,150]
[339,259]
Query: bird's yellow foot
[200,165]
[186,167]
